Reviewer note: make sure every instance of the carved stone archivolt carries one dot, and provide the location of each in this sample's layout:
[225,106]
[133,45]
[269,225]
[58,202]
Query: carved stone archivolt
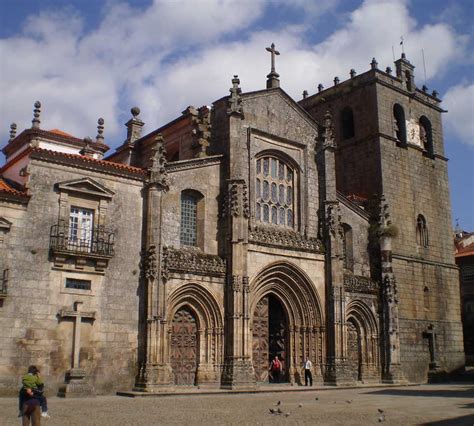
[272,237]
[192,260]
[236,202]
[359,284]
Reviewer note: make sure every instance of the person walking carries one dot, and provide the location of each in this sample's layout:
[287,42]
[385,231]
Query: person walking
[275,369]
[308,376]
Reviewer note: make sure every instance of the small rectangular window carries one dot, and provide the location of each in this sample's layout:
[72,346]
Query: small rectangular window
[78,284]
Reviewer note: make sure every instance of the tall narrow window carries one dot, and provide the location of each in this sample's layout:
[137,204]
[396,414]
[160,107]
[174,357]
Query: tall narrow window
[81,223]
[426,135]
[347,122]
[421,231]
[426,298]
[188,235]
[399,125]
[347,247]
[274,191]
[408,80]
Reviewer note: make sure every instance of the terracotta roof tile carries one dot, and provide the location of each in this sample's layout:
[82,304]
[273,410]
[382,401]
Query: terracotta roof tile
[81,159]
[7,188]
[60,132]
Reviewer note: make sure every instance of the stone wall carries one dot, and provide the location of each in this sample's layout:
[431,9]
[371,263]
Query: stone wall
[31,330]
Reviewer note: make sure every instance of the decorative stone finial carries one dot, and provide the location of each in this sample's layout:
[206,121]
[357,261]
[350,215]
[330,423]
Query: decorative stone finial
[352,73]
[36,115]
[336,81]
[158,174]
[100,131]
[329,141]
[320,87]
[12,131]
[134,126]
[388,70]
[88,148]
[404,56]
[305,94]
[272,78]
[434,93]
[234,103]
[135,111]
[374,64]
[424,88]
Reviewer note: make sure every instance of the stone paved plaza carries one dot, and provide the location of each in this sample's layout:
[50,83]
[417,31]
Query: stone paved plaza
[426,404]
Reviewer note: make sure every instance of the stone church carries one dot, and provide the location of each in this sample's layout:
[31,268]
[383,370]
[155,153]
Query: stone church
[255,227]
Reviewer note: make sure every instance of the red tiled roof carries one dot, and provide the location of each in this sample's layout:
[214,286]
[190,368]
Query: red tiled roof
[60,132]
[79,160]
[7,189]
[462,251]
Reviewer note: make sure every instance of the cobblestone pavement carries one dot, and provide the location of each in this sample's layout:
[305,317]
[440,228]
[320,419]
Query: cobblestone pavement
[426,404]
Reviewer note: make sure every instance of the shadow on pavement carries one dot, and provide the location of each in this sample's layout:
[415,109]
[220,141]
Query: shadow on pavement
[461,420]
[443,393]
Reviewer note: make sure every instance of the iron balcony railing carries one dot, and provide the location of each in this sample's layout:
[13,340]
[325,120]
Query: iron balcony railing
[96,241]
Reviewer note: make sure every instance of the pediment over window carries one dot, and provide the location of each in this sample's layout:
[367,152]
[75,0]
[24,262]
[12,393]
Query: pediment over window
[5,225]
[86,186]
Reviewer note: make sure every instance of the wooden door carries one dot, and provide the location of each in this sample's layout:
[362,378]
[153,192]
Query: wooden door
[277,334]
[184,347]
[260,340]
[354,350]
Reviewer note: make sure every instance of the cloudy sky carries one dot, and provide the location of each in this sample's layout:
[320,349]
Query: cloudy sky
[86,59]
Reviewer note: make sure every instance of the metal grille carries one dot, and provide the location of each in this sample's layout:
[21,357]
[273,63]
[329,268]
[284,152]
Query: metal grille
[188,220]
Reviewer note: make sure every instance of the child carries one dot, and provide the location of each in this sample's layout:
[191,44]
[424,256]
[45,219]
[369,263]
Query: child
[33,387]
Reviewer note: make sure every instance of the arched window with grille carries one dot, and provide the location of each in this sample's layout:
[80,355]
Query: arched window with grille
[426,135]
[421,231]
[191,232]
[275,191]
[399,124]
[347,123]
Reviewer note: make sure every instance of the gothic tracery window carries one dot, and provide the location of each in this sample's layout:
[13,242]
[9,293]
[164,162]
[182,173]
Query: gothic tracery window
[421,231]
[275,192]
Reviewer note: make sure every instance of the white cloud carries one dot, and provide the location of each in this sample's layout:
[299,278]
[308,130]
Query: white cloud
[459,101]
[172,54]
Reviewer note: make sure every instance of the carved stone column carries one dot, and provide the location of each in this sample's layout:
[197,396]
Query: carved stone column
[391,372]
[337,371]
[238,370]
[154,371]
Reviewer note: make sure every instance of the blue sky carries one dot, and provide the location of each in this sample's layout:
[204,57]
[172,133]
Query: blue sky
[86,59]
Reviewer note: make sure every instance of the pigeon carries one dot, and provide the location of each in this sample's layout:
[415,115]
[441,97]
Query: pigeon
[287,414]
[381,418]
[279,411]
[380,410]
[272,411]
[349,401]
[279,402]
[300,405]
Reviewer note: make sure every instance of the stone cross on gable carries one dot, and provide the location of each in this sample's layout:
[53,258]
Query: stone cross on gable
[273,52]
[272,78]
[77,315]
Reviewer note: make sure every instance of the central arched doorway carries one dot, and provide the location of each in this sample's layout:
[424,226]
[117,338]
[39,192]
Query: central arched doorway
[270,337]
[184,347]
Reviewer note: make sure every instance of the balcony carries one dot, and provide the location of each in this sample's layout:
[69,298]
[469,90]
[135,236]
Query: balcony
[88,249]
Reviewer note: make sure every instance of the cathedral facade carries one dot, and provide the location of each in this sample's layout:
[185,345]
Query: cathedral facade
[260,226]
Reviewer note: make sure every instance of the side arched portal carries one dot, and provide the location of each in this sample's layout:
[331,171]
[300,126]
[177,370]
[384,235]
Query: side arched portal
[286,321]
[195,336]
[362,342]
